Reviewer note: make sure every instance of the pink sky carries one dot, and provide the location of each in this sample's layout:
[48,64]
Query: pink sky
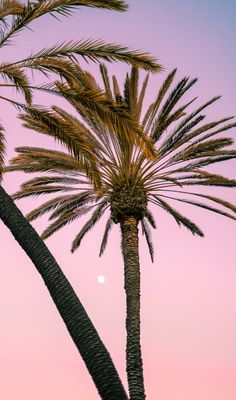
[188,294]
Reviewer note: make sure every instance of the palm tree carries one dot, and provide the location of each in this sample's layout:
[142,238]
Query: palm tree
[16,15]
[106,170]
[80,327]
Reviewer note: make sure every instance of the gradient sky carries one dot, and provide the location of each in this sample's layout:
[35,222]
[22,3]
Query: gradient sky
[188,294]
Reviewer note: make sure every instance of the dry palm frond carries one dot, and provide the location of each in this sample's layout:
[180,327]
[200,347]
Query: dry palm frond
[18,78]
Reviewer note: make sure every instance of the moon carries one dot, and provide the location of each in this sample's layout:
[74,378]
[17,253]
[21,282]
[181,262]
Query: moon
[101,279]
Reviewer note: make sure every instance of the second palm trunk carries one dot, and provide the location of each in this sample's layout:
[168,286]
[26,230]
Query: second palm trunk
[130,251]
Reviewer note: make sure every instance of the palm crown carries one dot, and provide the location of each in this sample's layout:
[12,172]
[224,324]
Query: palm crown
[108,169]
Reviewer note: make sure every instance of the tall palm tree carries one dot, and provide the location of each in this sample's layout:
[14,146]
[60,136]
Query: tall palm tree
[16,15]
[106,170]
[82,331]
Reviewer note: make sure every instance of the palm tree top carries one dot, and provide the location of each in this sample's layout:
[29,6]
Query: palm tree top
[106,170]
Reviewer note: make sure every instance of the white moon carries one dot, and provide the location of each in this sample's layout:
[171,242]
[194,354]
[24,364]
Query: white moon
[101,279]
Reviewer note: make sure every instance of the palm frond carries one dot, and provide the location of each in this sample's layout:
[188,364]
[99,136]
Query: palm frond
[116,89]
[63,130]
[9,8]
[202,149]
[202,205]
[73,203]
[24,14]
[97,214]
[106,81]
[160,123]
[17,76]
[150,218]
[147,232]
[46,207]
[153,108]
[37,191]
[34,159]
[48,180]
[107,230]
[180,219]
[62,221]
[141,97]
[98,50]
[133,85]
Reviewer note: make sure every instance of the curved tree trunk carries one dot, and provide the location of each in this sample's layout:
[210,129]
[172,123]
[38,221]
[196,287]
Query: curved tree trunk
[80,327]
[134,364]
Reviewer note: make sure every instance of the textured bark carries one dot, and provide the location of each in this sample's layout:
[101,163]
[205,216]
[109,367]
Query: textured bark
[80,327]
[134,365]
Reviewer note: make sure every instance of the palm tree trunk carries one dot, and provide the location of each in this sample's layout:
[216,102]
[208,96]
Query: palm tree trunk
[80,327]
[134,364]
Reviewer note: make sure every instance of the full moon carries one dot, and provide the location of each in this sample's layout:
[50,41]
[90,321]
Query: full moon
[101,279]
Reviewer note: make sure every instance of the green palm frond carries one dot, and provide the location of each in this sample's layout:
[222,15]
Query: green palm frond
[97,214]
[107,230]
[147,232]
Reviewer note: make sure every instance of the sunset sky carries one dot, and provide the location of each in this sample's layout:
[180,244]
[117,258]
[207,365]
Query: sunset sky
[188,293]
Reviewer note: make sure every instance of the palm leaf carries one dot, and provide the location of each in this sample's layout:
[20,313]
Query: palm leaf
[46,207]
[108,227]
[37,191]
[153,108]
[98,50]
[11,7]
[97,214]
[18,78]
[146,231]
[150,218]
[180,219]
[46,180]
[62,221]
[106,81]
[202,205]
[73,203]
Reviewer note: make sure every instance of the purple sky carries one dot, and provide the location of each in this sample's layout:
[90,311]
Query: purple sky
[188,294]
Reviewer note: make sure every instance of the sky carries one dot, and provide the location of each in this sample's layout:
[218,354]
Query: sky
[188,293]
